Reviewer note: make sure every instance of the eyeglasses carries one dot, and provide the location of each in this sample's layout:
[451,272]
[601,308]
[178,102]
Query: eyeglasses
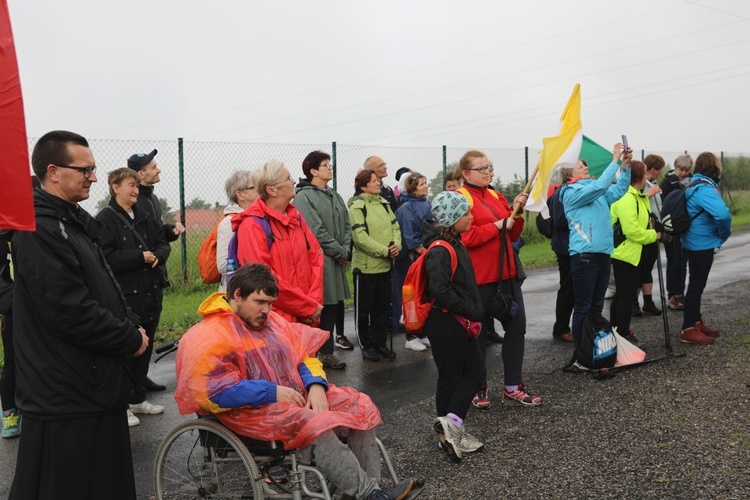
[325,165]
[288,179]
[87,171]
[484,169]
[248,188]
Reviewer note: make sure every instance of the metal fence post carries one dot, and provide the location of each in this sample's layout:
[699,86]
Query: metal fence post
[183,238]
[643,154]
[335,170]
[722,184]
[526,162]
[445,165]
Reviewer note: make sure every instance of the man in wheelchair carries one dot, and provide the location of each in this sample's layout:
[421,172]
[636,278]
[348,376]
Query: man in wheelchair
[258,374]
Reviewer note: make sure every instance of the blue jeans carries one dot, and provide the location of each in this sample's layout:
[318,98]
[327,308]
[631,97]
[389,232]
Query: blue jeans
[676,267]
[590,273]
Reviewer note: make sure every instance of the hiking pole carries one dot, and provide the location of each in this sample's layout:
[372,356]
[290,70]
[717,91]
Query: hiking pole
[664,315]
[669,355]
[390,316]
[668,342]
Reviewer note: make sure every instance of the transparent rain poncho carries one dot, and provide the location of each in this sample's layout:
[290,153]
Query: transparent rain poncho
[221,350]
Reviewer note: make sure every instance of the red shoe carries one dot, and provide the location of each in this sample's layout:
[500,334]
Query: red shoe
[481,399]
[705,330]
[520,396]
[694,336]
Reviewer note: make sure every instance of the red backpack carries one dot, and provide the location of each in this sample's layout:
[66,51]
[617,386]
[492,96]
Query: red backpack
[415,308]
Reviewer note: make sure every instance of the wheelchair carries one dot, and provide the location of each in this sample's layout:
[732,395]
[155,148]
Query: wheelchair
[202,458]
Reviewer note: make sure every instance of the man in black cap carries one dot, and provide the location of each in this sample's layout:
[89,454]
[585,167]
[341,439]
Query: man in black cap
[148,202]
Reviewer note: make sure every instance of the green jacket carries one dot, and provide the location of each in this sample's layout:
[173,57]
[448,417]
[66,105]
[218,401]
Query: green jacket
[372,235]
[325,212]
[633,212]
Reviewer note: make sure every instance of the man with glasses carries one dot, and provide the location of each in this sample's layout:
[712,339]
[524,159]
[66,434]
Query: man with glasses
[73,333]
[676,179]
[149,172]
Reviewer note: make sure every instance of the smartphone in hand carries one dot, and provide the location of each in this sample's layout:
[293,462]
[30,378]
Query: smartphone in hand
[625,143]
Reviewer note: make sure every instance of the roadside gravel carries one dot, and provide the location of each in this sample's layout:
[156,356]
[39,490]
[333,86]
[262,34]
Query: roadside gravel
[678,428]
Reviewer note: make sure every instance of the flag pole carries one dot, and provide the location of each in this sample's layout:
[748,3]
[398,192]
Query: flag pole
[516,206]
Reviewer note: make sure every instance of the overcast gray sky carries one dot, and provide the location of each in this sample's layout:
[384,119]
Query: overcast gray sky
[672,74]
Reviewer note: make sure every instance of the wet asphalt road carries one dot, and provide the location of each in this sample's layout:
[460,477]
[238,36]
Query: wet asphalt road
[408,379]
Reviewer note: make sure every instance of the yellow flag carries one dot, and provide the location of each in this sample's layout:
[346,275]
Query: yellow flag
[564,148]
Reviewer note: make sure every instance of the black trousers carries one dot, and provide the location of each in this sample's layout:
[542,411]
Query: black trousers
[372,308]
[461,369]
[329,318]
[648,259]
[86,458]
[627,281]
[565,297]
[515,331]
[700,266]
[8,376]
[138,366]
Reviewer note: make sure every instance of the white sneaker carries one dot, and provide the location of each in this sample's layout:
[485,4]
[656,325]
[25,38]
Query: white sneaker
[425,342]
[147,407]
[132,419]
[415,345]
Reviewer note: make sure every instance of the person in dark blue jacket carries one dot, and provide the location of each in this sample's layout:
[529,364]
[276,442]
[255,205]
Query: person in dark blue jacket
[560,235]
[710,228]
[415,208]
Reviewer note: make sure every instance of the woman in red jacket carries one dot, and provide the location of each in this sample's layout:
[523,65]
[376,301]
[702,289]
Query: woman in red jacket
[273,232]
[490,210]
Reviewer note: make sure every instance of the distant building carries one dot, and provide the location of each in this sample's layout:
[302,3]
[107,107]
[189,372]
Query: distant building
[200,220]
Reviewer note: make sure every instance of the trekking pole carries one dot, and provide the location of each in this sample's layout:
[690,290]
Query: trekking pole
[664,315]
[390,315]
[668,342]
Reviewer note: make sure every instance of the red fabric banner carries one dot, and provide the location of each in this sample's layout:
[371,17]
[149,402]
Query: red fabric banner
[16,203]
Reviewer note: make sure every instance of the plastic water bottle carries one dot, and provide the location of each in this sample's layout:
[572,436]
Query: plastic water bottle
[410,306]
[231,269]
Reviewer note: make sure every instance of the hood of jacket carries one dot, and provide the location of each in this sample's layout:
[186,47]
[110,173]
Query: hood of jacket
[409,198]
[49,205]
[259,208]
[305,184]
[430,232]
[216,303]
[232,208]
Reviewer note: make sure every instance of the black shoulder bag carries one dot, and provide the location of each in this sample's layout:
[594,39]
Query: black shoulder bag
[502,306]
[162,265]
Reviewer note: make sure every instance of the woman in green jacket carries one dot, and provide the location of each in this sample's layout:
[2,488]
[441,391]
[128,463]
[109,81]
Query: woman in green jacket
[377,241]
[633,212]
[325,212]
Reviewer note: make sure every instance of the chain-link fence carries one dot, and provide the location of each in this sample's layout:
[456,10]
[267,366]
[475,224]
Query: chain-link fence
[193,175]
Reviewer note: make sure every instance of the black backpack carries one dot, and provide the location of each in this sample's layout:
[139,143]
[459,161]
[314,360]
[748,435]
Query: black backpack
[546,226]
[674,214]
[597,347]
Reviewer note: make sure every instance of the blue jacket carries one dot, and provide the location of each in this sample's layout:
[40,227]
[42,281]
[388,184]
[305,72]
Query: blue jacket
[410,215]
[713,226]
[587,204]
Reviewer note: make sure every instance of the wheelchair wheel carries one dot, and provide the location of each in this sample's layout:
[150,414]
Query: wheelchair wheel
[203,459]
